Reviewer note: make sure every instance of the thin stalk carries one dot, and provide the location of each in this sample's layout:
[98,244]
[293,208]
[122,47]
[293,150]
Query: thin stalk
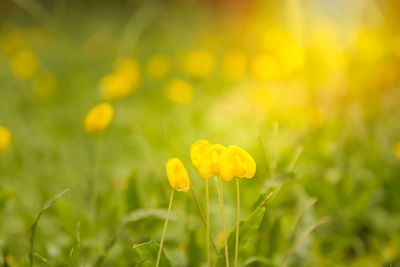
[237,221]
[94,181]
[203,219]
[165,228]
[223,221]
[207,225]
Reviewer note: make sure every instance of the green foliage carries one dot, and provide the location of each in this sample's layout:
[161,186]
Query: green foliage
[328,131]
[148,255]
[247,228]
[45,207]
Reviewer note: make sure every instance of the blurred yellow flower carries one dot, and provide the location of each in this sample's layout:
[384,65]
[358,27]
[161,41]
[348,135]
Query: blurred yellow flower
[199,63]
[5,138]
[209,164]
[130,68]
[273,38]
[317,116]
[397,149]
[15,40]
[291,56]
[99,117]
[368,44]
[236,162]
[122,82]
[396,46]
[179,91]
[263,98]
[44,83]
[158,66]
[325,45]
[197,151]
[24,64]
[284,50]
[234,64]
[264,67]
[177,174]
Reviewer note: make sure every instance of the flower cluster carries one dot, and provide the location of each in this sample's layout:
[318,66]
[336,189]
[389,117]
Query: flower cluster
[229,162]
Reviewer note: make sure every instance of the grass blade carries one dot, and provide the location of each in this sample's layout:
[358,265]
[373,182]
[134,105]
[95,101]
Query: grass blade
[148,253]
[45,207]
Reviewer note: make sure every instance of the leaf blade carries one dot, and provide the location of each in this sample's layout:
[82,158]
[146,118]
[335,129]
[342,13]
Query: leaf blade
[148,253]
[45,207]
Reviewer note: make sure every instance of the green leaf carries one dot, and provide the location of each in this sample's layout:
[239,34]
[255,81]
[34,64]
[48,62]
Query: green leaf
[141,214]
[45,207]
[148,253]
[247,228]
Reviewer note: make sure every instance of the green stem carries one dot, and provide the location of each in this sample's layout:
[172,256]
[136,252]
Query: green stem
[223,222]
[94,182]
[203,220]
[165,228]
[237,221]
[207,225]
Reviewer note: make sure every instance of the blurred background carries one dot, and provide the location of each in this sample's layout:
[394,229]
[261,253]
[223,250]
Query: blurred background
[309,88]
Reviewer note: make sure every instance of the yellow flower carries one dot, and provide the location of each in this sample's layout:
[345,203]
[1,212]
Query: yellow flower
[179,91]
[5,138]
[158,66]
[197,151]
[115,86]
[122,82]
[44,84]
[368,44]
[236,162]
[209,164]
[199,63]
[177,174]
[291,56]
[397,149]
[130,68]
[15,40]
[234,64]
[99,117]
[265,67]
[24,64]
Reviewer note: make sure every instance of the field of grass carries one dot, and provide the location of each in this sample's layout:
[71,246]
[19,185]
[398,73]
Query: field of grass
[310,89]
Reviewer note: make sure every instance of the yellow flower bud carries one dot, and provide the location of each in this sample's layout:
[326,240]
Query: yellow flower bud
[99,117]
[179,92]
[264,67]
[24,64]
[177,174]
[130,68]
[5,138]
[158,66]
[197,150]
[199,63]
[236,162]
[234,64]
[121,82]
[209,164]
